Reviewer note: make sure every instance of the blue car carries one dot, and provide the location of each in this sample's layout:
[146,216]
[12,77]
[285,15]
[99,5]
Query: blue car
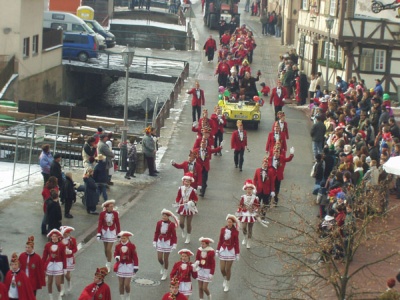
[81,46]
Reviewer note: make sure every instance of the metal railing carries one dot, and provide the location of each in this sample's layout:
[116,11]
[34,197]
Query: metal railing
[6,72]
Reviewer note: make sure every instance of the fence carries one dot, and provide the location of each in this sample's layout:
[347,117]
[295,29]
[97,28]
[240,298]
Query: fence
[51,38]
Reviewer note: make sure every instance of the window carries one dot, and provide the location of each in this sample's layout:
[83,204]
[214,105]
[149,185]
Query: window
[35,44]
[373,60]
[77,27]
[302,45]
[59,26]
[332,51]
[25,50]
[304,4]
[332,8]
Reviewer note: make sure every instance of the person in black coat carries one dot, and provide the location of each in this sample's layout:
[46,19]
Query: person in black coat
[54,214]
[55,170]
[100,175]
[304,85]
[69,194]
[91,194]
[4,265]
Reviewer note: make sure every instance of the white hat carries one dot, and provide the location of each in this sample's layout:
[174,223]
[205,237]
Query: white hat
[328,218]
[206,240]
[108,202]
[125,233]
[233,69]
[170,214]
[233,218]
[188,176]
[249,183]
[55,231]
[66,229]
[187,251]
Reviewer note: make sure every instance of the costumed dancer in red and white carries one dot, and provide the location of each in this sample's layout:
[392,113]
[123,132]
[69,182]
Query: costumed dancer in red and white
[278,97]
[55,261]
[264,181]
[183,270]
[31,263]
[165,239]
[282,123]
[274,137]
[278,162]
[107,229]
[3,291]
[228,249]
[239,144]
[192,166]
[248,211]
[174,293]
[186,202]
[17,283]
[71,248]
[220,120]
[127,264]
[205,266]
[98,289]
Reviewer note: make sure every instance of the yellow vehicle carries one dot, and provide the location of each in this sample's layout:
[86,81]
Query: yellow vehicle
[247,111]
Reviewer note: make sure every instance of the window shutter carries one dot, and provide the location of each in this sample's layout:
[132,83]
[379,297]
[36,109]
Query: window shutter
[321,46]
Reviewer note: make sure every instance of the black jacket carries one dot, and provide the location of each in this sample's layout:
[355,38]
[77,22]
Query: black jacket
[54,215]
[318,132]
[69,193]
[55,170]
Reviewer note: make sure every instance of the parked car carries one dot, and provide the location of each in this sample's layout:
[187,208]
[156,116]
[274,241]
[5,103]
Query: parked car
[80,45]
[96,27]
[69,22]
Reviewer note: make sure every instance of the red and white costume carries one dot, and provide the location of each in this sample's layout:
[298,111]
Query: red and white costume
[228,244]
[169,296]
[165,236]
[278,164]
[3,292]
[273,138]
[70,249]
[54,258]
[264,180]
[18,285]
[32,265]
[193,167]
[186,194]
[284,127]
[248,208]
[127,259]
[96,291]
[108,226]
[184,271]
[205,259]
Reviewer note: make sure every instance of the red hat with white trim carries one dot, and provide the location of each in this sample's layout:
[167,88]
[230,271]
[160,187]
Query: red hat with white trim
[206,240]
[125,233]
[249,184]
[170,214]
[108,202]
[233,218]
[55,231]
[66,229]
[185,251]
[188,176]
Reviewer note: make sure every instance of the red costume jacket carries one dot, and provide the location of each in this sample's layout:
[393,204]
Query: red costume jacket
[170,235]
[207,262]
[221,122]
[96,291]
[70,244]
[211,123]
[178,296]
[267,185]
[232,242]
[197,142]
[284,128]
[243,70]
[225,39]
[205,156]
[236,143]
[281,163]
[54,255]
[183,271]
[3,292]
[127,257]
[35,268]
[113,225]
[197,101]
[25,291]
[210,44]
[276,99]
[271,141]
[195,168]
[181,198]
[223,68]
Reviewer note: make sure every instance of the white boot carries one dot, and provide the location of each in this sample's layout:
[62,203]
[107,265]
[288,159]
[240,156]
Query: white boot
[248,244]
[244,241]
[187,238]
[69,285]
[108,266]
[50,296]
[226,286]
[62,292]
[59,297]
[224,281]
[209,297]
[128,296]
[165,274]
[122,297]
[183,233]
[162,270]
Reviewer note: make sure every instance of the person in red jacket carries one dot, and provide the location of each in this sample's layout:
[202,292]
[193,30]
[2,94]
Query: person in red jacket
[31,264]
[239,144]
[127,263]
[220,120]
[165,239]
[174,293]
[71,247]
[228,249]
[17,283]
[223,71]
[192,166]
[186,201]
[203,158]
[98,289]
[183,271]
[264,181]
[205,266]
[282,124]
[278,97]
[278,162]
[205,121]
[276,137]
[248,211]
[197,100]
[54,260]
[107,229]
[225,38]
[210,47]
[205,134]
[3,292]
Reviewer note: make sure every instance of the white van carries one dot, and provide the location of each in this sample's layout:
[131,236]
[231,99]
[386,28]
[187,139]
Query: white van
[70,22]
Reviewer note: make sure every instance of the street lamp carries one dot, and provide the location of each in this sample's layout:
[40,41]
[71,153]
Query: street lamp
[329,24]
[127,57]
